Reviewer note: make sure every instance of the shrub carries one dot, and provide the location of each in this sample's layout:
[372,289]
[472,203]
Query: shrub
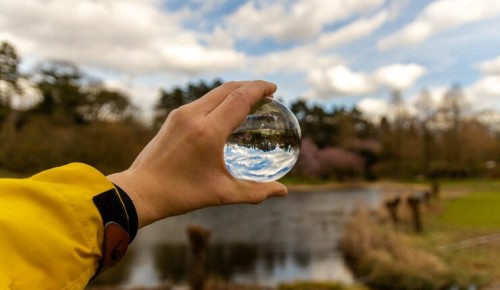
[41,144]
[386,261]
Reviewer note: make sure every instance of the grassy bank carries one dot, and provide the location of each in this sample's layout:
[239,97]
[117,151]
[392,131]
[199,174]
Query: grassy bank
[478,208]
[465,231]
[458,246]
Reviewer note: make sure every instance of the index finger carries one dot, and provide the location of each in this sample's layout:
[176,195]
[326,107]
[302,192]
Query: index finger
[213,98]
[233,110]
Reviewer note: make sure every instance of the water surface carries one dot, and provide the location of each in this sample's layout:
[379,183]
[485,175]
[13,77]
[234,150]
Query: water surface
[282,239]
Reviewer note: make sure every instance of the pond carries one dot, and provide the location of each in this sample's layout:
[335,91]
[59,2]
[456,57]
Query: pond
[281,239]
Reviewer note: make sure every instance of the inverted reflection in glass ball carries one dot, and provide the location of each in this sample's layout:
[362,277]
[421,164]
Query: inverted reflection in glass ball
[266,145]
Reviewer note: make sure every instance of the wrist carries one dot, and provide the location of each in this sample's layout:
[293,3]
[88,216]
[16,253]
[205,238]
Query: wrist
[125,180]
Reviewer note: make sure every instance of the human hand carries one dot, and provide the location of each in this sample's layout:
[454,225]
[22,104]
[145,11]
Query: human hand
[182,168]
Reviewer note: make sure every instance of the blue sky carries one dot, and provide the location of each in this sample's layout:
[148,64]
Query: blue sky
[332,52]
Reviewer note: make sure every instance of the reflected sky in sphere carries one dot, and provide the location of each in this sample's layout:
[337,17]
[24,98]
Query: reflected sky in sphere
[258,165]
[266,145]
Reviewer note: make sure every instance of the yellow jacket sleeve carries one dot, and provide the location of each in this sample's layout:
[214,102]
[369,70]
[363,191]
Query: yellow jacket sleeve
[51,232]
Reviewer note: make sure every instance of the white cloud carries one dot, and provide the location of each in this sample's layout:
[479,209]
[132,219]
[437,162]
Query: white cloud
[352,31]
[195,58]
[399,76]
[297,59]
[131,36]
[439,16]
[220,39]
[377,108]
[484,94]
[487,87]
[437,93]
[292,20]
[374,108]
[491,66]
[424,106]
[415,32]
[339,80]
[314,54]
[145,95]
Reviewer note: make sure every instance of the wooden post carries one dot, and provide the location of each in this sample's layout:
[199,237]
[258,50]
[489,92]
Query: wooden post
[392,206]
[426,196]
[198,239]
[414,203]
[435,189]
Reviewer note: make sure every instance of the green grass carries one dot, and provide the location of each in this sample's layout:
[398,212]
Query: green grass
[478,205]
[469,209]
[473,184]
[477,209]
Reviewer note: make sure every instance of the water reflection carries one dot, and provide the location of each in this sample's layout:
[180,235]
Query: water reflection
[241,262]
[227,260]
[172,262]
[282,239]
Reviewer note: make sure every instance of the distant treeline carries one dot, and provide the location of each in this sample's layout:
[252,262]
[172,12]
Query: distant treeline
[442,139]
[74,117]
[57,114]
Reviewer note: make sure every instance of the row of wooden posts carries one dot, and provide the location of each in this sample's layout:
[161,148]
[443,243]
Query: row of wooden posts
[414,201]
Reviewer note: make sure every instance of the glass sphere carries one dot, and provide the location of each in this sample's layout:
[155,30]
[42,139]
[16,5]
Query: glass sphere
[266,145]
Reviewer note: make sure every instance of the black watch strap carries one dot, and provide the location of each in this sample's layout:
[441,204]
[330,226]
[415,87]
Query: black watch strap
[120,223]
[133,222]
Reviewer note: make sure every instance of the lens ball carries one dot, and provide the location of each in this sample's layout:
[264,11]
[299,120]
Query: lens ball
[266,145]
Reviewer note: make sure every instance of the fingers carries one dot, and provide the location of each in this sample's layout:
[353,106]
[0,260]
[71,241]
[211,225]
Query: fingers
[213,98]
[237,104]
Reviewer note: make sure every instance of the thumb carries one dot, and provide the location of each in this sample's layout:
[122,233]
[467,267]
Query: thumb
[256,192]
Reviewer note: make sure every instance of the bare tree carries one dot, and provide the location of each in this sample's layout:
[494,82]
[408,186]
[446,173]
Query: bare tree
[451,115]
[426,110]
[399,122]
[9,86]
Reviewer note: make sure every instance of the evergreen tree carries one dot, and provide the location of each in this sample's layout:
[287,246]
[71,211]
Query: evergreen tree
[9,86]
[172,99]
